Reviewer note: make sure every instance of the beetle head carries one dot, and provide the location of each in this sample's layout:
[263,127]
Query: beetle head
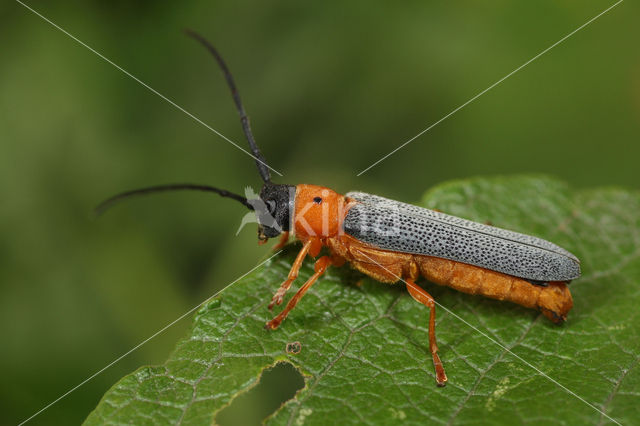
[274,209]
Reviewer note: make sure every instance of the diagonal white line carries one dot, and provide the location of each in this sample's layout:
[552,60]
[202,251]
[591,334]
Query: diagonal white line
[145,341]
[546,376]
[492,86]
[151,89]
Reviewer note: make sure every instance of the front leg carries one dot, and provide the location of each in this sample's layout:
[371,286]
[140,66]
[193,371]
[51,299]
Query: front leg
[293,274]
[284,239]
[320,266]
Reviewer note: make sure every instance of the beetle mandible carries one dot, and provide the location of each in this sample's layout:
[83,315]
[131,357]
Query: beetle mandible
[392,241]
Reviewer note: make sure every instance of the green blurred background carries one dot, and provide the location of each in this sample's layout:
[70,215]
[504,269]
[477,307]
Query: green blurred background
[330,87]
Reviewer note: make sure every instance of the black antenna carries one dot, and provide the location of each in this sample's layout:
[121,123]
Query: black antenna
[108,203]
[260,161]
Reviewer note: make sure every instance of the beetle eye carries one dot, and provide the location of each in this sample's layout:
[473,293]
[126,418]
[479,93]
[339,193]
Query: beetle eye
[317,200]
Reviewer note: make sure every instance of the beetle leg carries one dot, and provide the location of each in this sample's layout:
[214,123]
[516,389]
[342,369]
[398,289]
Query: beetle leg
[293,274]
[420,295]
[284,238]
[320,266]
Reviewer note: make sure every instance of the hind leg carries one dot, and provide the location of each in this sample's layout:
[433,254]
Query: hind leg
[420,295]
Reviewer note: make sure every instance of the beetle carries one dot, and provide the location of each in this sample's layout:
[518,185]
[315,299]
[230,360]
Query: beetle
[392,241]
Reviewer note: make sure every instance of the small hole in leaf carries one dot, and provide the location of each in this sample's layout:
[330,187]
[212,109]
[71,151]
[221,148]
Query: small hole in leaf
[277,385]
[294,347]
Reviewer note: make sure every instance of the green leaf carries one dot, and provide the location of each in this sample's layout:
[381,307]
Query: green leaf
[364,349]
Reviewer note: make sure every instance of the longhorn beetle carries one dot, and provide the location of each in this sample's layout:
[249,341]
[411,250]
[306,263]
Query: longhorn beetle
[392,241]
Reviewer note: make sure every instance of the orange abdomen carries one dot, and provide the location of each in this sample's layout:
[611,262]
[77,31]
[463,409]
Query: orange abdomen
[554,300]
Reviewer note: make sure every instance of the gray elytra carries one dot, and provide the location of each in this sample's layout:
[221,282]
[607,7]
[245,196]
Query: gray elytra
[395,226]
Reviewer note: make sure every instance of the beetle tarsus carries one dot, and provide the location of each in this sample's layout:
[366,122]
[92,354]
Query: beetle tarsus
[441,376]
[278,297]
[272,325]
